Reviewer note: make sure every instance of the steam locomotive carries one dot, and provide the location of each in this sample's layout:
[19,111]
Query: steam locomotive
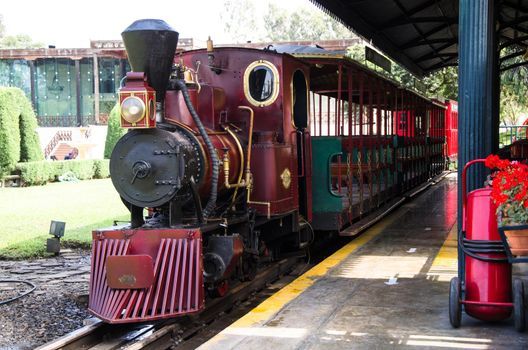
[236,155]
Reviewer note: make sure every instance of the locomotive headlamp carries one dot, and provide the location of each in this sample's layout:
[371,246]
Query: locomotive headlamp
[138,102]
[133,109]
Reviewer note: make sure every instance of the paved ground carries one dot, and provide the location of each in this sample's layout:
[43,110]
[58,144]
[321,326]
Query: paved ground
[389,290]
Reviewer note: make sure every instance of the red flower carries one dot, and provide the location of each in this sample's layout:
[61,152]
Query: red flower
[491,161]
[494,162]
[509,189]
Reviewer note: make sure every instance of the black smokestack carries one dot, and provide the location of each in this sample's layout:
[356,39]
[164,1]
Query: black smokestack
[151,44]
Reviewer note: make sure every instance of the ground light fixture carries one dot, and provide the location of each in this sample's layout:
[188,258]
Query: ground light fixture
[57,231]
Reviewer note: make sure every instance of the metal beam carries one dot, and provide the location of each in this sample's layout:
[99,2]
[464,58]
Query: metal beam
[417,28]
[515,65]
[514,41]
[78,91]
[518,28]
[413,20]
[518,20]
[514,6]
[347,14]
[432,56]
[446,63]
[428,42]
[426,34]
[512,55]
[415,10]
[96,87]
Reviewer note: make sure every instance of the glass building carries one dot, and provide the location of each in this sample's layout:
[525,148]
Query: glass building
[69,87]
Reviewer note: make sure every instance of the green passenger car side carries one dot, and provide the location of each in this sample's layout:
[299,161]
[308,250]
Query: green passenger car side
[327,205]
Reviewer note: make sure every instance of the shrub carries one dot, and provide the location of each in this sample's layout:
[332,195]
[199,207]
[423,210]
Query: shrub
[105,107]
[82,169]
[42,172]
[36,173]
[9,131]
[101,169]
[114,131]
[18,138]
[29,140]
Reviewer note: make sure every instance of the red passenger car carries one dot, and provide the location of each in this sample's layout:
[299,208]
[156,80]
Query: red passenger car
[451,127]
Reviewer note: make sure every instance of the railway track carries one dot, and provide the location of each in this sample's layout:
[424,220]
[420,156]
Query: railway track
[166,334]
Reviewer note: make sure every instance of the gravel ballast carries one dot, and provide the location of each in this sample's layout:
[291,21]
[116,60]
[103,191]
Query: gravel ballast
[57,305]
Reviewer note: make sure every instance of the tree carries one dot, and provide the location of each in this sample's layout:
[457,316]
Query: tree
[2,26]
[514,89]
[19,41]
[302,24]
[278,23]
[239,20]
[510,108]
[443,82]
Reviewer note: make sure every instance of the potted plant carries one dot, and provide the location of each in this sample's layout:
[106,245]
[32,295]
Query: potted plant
[510,194]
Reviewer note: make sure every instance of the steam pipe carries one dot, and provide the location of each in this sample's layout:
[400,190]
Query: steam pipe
[241,152]
[250,141]
[249,177]
[225,161]
[211,203]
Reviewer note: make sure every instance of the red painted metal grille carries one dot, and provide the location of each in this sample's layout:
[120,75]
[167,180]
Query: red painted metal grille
[178,279]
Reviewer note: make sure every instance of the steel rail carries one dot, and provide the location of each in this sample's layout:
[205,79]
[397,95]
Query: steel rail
[165,334]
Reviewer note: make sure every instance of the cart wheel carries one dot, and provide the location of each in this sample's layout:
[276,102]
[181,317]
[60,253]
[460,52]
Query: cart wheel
[455,310]
[518,305]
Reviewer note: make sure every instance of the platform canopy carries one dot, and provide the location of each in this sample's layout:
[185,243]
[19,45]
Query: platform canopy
[422,35]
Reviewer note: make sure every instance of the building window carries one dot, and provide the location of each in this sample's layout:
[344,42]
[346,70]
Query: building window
[108,75]
[55,90]
[16,73]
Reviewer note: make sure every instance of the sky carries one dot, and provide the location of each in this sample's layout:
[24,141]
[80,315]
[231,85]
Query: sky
[72,24]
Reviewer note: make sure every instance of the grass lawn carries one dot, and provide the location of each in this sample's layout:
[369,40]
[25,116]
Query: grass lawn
[25,214]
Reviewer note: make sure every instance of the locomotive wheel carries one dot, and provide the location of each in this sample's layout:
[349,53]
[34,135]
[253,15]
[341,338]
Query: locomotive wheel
[519,318]
[249,267]
[455,309]
[221,289]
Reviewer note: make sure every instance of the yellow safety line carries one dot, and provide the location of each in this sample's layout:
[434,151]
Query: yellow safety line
[447,255]
[268,308]
[445,264]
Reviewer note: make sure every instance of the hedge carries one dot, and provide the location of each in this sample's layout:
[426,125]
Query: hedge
[101,169]
[9,131]
[115,131]
[18,138]
[42,172]
[29,140]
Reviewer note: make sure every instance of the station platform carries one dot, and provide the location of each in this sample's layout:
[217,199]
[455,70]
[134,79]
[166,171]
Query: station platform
[387,288]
